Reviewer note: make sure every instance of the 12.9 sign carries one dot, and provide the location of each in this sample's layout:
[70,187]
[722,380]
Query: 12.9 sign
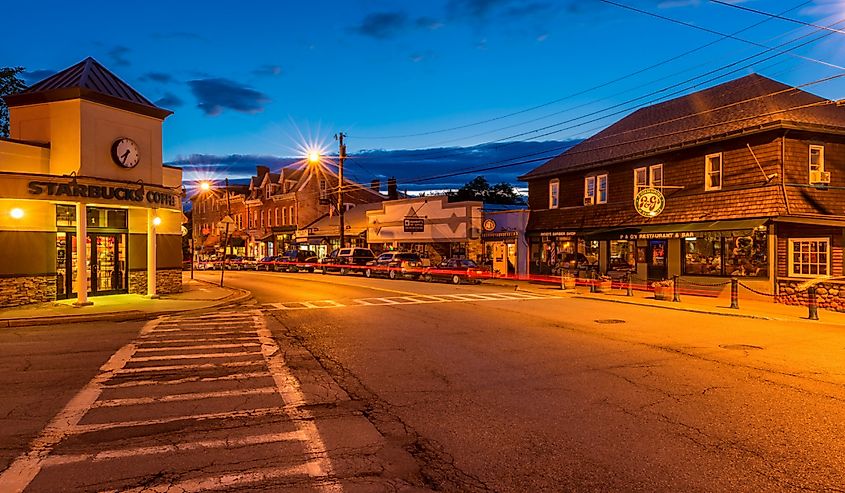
[649,202]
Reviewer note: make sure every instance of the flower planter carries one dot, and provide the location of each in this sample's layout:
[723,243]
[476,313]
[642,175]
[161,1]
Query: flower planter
[663,293]
[567,282]
[604,286]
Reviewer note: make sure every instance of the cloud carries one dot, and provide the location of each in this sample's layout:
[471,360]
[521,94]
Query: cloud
[268,70]
[405,164]
[428,23]
[169,100]
[418,57]
[382,25]
[31,77]
[118,56]
[217,94]
[160,77]
[542,37]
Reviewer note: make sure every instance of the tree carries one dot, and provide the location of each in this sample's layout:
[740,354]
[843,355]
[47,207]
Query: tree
[479,189]
[10,83]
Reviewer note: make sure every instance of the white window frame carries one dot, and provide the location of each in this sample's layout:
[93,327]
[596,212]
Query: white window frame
[791,256]
[601,179]
[708,172]
[819,166]
[651,172]
[645,183]
[590,188]
[554,194]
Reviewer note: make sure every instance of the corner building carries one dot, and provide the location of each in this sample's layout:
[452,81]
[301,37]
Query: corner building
[86,206]
[753,175]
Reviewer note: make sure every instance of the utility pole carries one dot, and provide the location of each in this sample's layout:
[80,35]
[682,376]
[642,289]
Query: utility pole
[340,208]
[226,220]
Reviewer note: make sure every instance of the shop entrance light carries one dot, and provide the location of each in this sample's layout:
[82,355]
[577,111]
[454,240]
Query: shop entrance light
[16,213]
[156,221]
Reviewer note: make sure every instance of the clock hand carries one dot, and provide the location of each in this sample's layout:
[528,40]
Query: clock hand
[124,156]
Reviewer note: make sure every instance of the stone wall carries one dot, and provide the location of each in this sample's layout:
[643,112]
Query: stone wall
[168,281]
[22,290]
[829,294]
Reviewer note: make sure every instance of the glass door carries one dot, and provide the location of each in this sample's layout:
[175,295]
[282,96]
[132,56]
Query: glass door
[108,269]
[73,265]
[656,259]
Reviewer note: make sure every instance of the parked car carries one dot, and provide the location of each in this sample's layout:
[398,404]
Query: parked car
[330,259]
[294,260]
[267,263]
[310,264]
[248,263]
[456,271]
[395,265]
[348,260]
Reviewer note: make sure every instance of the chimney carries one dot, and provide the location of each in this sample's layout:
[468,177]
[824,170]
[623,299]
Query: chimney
[375,185]
[261,171]
[392,192]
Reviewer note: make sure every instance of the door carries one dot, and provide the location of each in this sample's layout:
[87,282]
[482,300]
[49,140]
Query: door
[656,259]
[106,265]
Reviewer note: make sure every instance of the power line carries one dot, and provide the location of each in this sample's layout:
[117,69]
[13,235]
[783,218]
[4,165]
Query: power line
[776,16]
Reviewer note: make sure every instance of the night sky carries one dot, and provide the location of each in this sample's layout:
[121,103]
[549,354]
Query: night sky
[423,89]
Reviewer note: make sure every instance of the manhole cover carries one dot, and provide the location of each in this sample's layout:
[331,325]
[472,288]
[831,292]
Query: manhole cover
[739,347]
[609,321]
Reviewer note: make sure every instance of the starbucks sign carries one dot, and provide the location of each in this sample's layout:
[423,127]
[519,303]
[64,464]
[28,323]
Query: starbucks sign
[649,202]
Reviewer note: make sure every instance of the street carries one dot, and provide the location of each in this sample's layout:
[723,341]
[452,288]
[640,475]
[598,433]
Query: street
[342,383]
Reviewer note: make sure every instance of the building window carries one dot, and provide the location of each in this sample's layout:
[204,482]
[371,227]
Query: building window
[554,194]
[292,216]
[809,257]
[817,173]
[648,177]
[713,172]
[324,195]
[595,190]
[655,176]
[640,179]
[742,253]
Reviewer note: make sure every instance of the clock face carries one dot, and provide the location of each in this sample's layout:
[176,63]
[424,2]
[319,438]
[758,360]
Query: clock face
[125,152]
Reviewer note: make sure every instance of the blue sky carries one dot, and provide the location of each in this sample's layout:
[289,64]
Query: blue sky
[259,79]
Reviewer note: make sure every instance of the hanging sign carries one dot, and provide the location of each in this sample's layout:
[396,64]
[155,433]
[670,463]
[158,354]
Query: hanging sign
[649,202]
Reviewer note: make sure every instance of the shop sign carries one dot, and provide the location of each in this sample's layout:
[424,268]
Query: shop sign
[498,235]
[488,224]
[413,225]
[649,202]
[557,234]
[657,236]
[126,194]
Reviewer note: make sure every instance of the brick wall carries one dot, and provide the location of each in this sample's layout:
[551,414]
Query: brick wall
[169,281]
[23,290]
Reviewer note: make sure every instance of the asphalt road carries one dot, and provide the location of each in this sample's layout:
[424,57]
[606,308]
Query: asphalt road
[561,394]
[341,383]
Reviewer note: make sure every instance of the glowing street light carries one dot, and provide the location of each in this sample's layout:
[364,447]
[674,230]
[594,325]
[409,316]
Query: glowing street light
[313,157]
[205,186]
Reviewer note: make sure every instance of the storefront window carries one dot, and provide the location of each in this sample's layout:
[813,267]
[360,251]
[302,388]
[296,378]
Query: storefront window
[65,215]
[622,255]
[727,253]
[563,254]
[809,257]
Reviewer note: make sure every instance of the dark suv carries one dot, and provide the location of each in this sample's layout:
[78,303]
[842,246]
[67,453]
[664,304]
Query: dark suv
[295,260]
[347,260]
[395,265]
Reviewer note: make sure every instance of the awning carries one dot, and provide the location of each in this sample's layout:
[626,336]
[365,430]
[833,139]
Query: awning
[237,242]
[678,230]
[267,238]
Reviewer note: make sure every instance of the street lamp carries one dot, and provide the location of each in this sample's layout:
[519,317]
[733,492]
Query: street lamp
[313,157]
[205,186]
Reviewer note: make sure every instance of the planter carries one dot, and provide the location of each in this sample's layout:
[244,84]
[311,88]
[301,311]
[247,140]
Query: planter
[567,282]
[663,293]
[604,286]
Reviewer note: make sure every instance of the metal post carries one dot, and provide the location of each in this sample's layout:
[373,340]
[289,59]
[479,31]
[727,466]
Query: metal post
[592,281]
[193,254]
[812,304]
[226,241]
[340,206]
[676,295]
[629,287]
[735,293]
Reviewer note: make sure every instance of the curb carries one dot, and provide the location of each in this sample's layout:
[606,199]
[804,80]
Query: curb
[236,296]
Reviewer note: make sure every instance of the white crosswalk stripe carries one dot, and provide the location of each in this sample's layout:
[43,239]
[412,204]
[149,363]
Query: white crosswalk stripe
[409,300]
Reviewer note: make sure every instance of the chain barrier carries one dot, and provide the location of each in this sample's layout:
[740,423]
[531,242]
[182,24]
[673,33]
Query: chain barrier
[771,295]
[703,285]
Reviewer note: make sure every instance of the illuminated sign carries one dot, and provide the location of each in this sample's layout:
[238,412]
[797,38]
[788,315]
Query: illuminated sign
[649,202]
[126,194]
[413,225]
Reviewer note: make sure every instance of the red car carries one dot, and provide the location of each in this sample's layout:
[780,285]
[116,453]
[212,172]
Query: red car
[455,270]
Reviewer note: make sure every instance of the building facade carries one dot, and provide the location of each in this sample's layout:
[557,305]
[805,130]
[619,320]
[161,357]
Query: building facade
[752,175]
[86,206]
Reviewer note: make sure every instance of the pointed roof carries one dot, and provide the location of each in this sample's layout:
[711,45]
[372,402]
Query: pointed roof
[751,103]
[91,81]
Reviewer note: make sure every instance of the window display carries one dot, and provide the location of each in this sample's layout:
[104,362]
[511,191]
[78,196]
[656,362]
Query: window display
[727,253]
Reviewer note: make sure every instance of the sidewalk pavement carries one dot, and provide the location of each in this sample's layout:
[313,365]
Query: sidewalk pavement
[196,295]
[750,305]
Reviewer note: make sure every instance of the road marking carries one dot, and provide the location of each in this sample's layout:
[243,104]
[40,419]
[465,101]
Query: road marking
[230,481]
[164,357]
[288,387]
[24,469]
[183,397]
[205,346]
[249,413]
[227,443]
[414,300]
[206,339]
[188,367]
[141,383]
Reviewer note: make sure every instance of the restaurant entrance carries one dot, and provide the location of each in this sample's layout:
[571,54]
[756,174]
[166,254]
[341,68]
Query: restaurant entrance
[656,259]
[106,264]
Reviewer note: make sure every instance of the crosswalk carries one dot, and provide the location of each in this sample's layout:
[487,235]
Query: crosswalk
[408,300]
[193,404]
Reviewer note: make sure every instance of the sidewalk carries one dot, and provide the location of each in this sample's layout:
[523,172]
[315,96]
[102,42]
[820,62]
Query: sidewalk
[195,295]
[750,305]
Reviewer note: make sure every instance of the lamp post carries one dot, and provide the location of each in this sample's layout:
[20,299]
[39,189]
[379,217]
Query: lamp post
[226,221]
[204,187]
[340,209]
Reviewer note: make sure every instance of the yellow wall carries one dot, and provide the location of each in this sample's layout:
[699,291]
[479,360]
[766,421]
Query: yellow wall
[55,123]
[38,215]
[22,158]
[171,221]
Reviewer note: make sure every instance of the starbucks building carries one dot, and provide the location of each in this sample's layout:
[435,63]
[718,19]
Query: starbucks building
[86,206]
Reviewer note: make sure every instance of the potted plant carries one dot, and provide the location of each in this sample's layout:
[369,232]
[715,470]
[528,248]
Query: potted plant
[604,284]
[567,280]
[663,289]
